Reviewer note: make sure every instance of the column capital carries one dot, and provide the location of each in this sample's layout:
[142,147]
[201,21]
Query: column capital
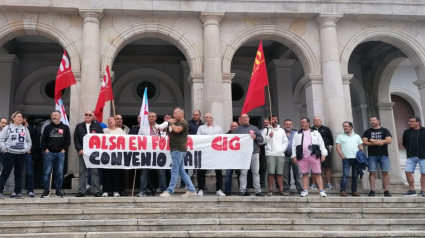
[346,78]
[196,78]
[280,63]
[13,59]
[227,77]
[311,79]
[91,15]
[328,19]
[385,105]
[420,83]
[211,18]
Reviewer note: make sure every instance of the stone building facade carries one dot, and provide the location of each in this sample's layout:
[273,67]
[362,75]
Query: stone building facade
[341,60]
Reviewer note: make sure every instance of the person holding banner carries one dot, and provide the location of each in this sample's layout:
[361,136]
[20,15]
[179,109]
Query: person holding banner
[55,142]
[209,128]
[246,128]
[151,130]
[82,129]
[112,178]
[229,172]
[178,139]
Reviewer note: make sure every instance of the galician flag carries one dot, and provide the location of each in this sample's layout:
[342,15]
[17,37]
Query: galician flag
[64,79]
[144,110]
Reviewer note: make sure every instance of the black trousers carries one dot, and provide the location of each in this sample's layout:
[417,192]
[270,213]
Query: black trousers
[201,179]
[11,161]
[263,169]
[112,180]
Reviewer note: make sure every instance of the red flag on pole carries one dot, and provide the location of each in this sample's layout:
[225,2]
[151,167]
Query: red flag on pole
[65,78]
[255,96]
[104,95]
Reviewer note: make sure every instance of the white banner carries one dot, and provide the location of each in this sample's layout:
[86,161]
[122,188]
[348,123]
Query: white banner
[226,151]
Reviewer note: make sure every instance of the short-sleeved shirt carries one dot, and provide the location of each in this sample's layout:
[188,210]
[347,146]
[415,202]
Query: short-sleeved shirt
[349,144]
[178,140]
[377,134]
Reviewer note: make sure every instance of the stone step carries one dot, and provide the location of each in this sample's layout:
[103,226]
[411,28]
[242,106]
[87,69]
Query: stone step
[222,233]
[115,225]
[193,202]
[219,212]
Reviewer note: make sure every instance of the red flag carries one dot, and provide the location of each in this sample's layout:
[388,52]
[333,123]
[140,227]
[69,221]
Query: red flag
[104,95]
[255,96]
[65,78]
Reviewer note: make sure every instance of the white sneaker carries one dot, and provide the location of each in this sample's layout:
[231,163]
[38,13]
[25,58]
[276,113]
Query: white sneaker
[304,193]
[189,194]
[200,193]
[116,194]
[165,194]
[219,193]
[329,186]
[313,186]
[104,194]
[322,194]
[88,187]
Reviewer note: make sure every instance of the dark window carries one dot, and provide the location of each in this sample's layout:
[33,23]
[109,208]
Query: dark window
[141,89]
[49,89]
[237,92]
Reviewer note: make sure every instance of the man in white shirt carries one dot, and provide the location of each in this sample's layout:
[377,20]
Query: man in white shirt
[209,128]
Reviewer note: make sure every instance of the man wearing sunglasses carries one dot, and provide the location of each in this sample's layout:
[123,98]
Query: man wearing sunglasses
[83,128]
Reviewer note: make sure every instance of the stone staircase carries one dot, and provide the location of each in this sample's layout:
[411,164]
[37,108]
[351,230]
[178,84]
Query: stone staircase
[212,216]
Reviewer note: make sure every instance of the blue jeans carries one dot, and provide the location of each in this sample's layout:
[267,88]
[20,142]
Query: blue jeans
[178,168]
[346,163]
[29,168]
[228,181]
[55,161]
[144,179]
[411,164]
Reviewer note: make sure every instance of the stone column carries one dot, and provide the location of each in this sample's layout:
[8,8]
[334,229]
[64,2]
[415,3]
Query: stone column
[90,60]
[213,95]
[228,103]
[314,95]
[282,96]
[420,83]
[297,115]
[8,67]
[386,111]
[360,120]
[333,89]
[347,96]
[75,112]
[196,81]
[186,89]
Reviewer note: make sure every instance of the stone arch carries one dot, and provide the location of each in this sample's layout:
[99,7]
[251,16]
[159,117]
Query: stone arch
[381,86]
[155,30]
[400,39]
[28,82]
[410,97]
[164,78]
[285,36]
[33,27]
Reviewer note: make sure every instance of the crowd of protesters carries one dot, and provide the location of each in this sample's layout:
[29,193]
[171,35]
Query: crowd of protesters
[277,150]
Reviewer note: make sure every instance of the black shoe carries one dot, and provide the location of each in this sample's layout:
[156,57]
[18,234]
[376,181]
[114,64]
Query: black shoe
[59,194]
[371,193]
[260,195]
[241,194]
[80,194]
[97,194]
[123,194]
[182,187]
[227,193]
[45,194]
[247,194]
[387,194]
[153,191]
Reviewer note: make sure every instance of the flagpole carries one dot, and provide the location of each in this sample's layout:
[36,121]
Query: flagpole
[113,108]
[271,113]
[134,182]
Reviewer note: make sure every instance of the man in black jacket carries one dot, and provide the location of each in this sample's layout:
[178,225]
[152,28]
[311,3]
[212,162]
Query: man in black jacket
[87,126]
[29,162]
[414,142]
[55,142]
